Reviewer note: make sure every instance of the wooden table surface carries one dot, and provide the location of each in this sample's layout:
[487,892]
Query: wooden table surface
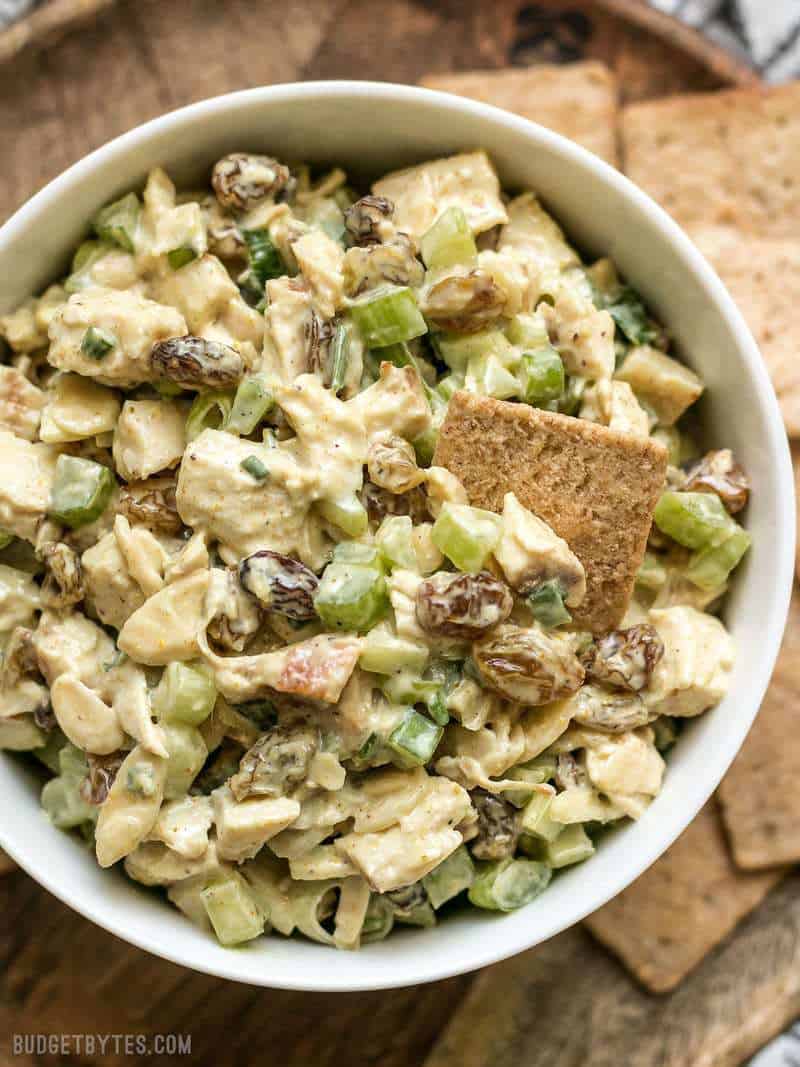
[58,972]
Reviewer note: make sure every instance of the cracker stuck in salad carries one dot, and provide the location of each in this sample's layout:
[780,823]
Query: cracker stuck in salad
[273,657]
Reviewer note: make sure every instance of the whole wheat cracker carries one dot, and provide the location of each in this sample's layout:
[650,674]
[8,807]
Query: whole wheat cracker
[759,796]
[580,101]
[730,158]
[663,925]
[763,277]
[596,487]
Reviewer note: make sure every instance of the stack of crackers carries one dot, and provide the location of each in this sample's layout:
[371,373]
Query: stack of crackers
[726,166]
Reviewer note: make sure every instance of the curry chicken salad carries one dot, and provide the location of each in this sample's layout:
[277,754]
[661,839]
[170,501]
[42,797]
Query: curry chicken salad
[273,659]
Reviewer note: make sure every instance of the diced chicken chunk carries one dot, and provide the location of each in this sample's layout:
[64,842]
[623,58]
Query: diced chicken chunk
[396,402]
[212,305]
[244,826]
[583,335]
[72,644]
[288,318]
[167,626]
[694,673]
[420,194]
[130,810]
[19,598]
[321,261]
[135,322]
[626,764]
[78,408]
[183,825]
[155,863]
[666,385]
[535,239]
[318,668]
[150,437]
[614,404]
[111,591]
[20,404]
[401,855]
[26,478]
[85,718]
[218,496]
[531,552]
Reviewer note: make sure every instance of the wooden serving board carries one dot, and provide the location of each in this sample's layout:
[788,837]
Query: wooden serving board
[119,63]
[77,73]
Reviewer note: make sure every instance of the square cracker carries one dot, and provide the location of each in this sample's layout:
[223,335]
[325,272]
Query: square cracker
[763,277]
[596,487]
[730,158]
[759,796]
[580,101]
[663,925]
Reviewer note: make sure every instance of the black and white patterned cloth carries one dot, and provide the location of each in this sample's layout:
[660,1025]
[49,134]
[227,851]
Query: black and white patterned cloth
[764,32]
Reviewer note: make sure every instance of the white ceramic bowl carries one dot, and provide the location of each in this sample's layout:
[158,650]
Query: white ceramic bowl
[370,128]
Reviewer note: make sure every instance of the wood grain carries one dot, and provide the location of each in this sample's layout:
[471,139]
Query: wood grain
[139,58]
[564,1004]
[61,974]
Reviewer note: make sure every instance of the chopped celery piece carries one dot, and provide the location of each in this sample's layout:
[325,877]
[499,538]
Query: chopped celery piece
[179,257]
[696,520]
[536,820]
[420,915]
[61,797]
[405,687]
[449,385]
[652,573]
[446,674]
[570,402]
[117,222]
[709,568]
[487,376]
[185,694]
[232,910]
[351,596]
[5,538]
[209,411]
[670,438]
[541,375]
[97,343]
[458,349]
[535,772]
[358,552]
[187,754]
[394,538]
[449,241]
[387,316]
[631,318]
[250,404]
[546,602]
[384,653]
[451,877]
[81,491]
[528,330]
[466,535]
[378,921]
[425,446]
[84,259]
[255,467]
[414,741]
[666,733]
[572,845]
[265,259]
[504,885]
[340,357]
[349,514]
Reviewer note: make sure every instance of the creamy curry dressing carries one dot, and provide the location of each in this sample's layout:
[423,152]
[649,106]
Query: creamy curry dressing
[272,658]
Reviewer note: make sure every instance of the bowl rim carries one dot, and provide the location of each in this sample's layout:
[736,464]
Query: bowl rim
[485,950]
